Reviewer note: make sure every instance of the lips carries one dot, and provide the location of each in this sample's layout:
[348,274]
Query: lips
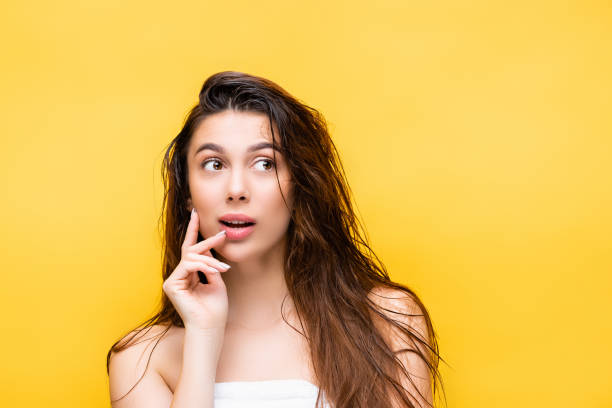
[237,226]
[242,218]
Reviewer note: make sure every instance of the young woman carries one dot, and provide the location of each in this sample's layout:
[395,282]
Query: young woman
[283,303]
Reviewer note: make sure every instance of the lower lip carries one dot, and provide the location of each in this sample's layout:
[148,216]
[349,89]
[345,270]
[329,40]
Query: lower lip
[235,233]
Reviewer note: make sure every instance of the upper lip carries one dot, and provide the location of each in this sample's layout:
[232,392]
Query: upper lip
[236,217]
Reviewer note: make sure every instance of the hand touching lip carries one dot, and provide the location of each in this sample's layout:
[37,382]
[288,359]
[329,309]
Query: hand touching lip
[201,306]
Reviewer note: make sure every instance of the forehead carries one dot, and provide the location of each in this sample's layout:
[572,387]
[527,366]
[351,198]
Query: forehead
[231,126]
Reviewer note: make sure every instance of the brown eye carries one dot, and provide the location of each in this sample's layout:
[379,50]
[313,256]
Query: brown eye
[269,166]
[215,163]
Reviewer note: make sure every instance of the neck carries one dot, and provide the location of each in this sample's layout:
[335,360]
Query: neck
[256,288]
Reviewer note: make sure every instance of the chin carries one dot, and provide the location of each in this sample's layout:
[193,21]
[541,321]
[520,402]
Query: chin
[237,251]
[234,254]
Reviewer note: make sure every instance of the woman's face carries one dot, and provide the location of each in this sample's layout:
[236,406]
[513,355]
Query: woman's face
[231,171]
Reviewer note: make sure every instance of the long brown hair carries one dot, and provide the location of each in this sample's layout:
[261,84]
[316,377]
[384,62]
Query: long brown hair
[329,267]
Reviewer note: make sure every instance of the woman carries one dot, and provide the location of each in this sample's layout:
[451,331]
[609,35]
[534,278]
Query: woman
[284,292]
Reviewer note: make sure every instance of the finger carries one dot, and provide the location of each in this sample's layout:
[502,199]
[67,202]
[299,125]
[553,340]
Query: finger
[208,243]
[188,268]
[191,236]
[213,276]
[192,256]
[214,279]
[194,266]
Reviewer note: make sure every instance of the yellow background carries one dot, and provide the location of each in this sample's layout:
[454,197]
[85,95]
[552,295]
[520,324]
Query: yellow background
[476,137]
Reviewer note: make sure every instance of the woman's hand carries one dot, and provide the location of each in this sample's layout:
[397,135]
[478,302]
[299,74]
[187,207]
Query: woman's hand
[201,306]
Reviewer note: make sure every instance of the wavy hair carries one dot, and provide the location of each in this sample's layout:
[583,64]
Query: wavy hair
[327,253]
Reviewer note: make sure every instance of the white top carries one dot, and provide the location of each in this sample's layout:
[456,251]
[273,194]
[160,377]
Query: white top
[291,393]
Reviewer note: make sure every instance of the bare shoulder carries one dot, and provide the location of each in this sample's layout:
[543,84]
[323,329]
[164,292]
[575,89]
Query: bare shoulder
[145,351]
[413,353]
[143,339]
[400,306]
[394,299]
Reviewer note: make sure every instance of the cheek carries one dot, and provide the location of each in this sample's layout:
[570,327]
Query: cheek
[283,208]
[208,199]
[277,200]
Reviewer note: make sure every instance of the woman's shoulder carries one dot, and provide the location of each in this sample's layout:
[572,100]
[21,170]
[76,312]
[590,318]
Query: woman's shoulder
[398,305]
[139,356]
[151,345]
[157,340]
[143,338]
[393,298]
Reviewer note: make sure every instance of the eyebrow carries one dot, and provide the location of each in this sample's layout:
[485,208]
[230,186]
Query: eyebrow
[218,148]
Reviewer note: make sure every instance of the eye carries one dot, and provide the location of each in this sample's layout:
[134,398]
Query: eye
[203,165]
[270,164]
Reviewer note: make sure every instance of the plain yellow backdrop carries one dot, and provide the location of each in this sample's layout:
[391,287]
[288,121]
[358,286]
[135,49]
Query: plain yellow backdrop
[476,137]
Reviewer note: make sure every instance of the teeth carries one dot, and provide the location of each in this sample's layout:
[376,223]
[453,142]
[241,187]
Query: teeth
[236,222]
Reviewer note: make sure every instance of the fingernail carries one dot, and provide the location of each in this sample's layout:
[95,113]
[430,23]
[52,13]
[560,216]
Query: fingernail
[220,233]
[226,266]
[210,268]
[193,211]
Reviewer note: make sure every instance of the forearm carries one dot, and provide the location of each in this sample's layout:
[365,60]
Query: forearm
[196,383]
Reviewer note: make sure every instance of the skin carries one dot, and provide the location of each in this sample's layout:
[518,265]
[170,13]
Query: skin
[257,343]
[237,181]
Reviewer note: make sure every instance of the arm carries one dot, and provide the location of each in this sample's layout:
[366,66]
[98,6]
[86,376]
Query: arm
[419,384]
[195,387]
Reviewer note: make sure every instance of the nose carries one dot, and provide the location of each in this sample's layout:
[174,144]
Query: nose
[237,190]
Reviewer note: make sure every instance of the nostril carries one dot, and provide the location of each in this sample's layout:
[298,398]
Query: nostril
[231,198]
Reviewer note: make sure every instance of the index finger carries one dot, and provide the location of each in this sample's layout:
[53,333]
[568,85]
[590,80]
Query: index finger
[209,242]
[191,236]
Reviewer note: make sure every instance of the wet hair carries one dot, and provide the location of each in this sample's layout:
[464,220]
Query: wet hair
[333,276]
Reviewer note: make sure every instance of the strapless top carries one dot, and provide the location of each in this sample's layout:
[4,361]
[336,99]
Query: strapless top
[291,393]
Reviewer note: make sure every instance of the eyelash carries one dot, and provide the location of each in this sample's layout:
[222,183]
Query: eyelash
[218,160]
